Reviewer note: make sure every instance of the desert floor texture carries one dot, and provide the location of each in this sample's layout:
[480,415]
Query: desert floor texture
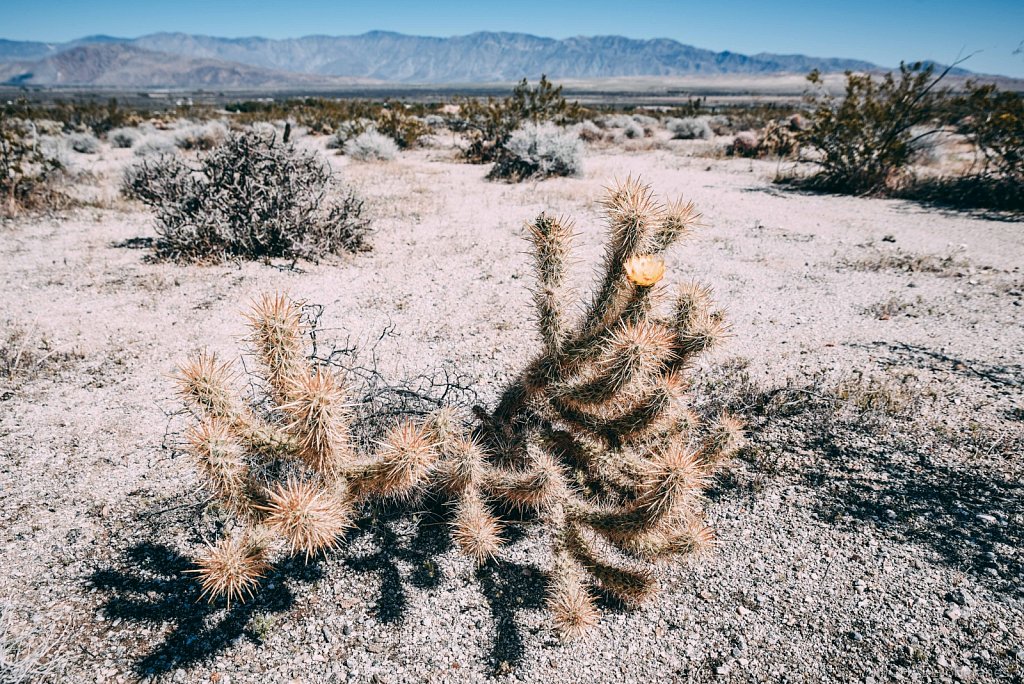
[871,530]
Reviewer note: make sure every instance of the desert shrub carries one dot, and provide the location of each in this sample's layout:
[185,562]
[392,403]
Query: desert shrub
[864,142]
[84,143]
[490,124]
[155,146]
[251,197]
[588,131]
[779,139]
[744,144]
[692,128]
[405,130]
[371,146]
[201,136]
[27,169]
[123,138]
[634,131]
[993,120]
[539,151]
[595,441]
[347,130]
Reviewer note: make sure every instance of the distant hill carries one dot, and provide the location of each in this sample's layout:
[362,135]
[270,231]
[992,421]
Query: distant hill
[175,59]
[120,64]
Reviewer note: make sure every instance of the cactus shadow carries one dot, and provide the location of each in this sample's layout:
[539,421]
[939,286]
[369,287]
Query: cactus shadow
[393,549]
[961,512]
[403,558]
[509,588]
[152,588]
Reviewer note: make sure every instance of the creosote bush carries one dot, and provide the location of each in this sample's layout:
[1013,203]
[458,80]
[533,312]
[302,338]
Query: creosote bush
[539,151]
[251,197]
[595,440]
[864,142]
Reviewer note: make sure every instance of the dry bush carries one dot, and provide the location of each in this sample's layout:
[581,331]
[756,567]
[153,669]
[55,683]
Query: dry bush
[405,130]
[690,128]
[538,152]
[84,143]
[252,197]
[594,440]
[490,124]
[27,170]
[371,146]
[204,136]
[123,138]
[21,661]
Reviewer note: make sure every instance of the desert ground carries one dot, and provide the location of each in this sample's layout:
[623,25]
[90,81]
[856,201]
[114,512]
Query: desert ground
[872,529]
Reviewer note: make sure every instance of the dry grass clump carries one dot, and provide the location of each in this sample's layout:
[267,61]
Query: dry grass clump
[21,661]
[252,197]
[595,440]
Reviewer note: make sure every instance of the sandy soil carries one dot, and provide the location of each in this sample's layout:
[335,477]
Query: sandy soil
[856,544]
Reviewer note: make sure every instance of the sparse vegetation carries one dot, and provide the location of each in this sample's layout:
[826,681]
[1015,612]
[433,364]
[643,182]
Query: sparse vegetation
[371,146]
[84,143]
[690,128]
[593,438]
[539,151]
[123,138]
[26,170]
[489,125]
[205,136]
[252,197]
[864,142]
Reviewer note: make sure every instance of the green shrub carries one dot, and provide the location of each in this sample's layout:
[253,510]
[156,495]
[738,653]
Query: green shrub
[994,121]
[864,141]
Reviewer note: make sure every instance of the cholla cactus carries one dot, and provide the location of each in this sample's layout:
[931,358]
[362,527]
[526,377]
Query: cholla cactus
[594,439]
[602,410]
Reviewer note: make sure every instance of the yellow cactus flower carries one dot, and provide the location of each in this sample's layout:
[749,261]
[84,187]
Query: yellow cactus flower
[645,270]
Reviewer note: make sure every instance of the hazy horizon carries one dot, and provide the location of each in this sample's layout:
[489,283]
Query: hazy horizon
[875,31]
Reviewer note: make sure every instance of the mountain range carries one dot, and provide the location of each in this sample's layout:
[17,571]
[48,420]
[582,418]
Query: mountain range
[183,60]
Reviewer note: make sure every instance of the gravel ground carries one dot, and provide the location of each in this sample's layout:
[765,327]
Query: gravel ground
[870,532]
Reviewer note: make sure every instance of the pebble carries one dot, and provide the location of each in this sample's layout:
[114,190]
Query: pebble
[985,517]
[953,613]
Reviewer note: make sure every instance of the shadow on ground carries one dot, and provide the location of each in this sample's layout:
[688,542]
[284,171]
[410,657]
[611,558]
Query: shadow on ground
[151,586]
[507,587]
[956,491]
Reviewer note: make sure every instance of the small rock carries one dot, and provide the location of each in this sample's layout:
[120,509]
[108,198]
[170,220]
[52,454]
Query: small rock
[941,661]
[722,670]
[890,514]
[328,637]
[985,517]
[953,613]
[347,629]
[964,674]
[743,610]
[856,636]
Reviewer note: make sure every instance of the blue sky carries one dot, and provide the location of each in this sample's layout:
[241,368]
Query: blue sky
[880,31]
